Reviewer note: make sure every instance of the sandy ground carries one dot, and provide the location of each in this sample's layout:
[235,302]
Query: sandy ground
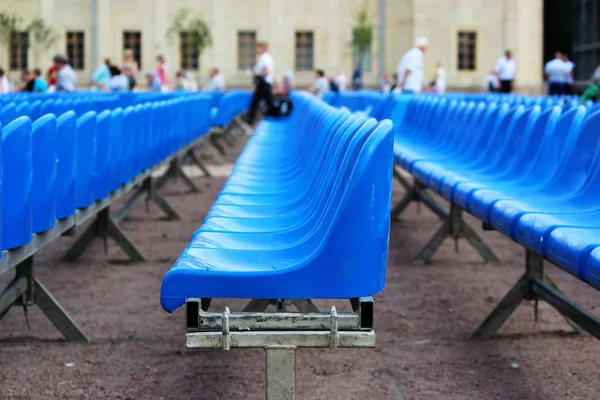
[423,322]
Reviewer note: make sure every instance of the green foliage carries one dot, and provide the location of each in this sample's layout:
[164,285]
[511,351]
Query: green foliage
[40,34]
[9,24]
[362,35]
[198,30]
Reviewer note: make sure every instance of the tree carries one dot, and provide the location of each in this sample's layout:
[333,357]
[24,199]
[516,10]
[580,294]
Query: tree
[198,32]
[41,36]
[9,25]
[362,36]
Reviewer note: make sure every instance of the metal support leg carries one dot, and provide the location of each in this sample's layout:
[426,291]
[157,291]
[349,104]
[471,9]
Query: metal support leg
[25,290]
[214,141]
[104,226]
[196,161]
[456,227]
[147,192]
[281,372]
[532,286]
[415,192]
[175,172]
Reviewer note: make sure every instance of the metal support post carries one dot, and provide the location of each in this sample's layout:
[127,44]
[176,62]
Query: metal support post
[259,305]
[104,226]
[534,285]
[415,192]
[191,157]
[175,172]
[454,226]
[25,291]
[280,334]
[146,192]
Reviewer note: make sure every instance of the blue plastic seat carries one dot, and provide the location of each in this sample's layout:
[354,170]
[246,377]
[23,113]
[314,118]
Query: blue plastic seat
[329,241]
[65,172]
[43,189]
[85,159]
[103,157]
[17,175]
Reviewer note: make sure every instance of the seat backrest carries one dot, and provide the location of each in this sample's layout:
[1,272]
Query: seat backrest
[43,188]
[65,173]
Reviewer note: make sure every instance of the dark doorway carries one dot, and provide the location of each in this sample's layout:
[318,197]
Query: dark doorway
[558,27]
[586,38]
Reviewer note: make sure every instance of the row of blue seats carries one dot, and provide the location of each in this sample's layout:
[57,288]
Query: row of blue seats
[54,165]
[532,173]
[304,214]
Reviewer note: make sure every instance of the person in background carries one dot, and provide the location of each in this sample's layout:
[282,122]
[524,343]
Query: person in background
[162,70]
[181,82]
[66,80]
[101,76]
[506,69]
[287,81]
[569,78]
[341,81]
[321,84]
[154,84]
[51,75]
[216,82]
[592,93]
[4,83]
[386,85]
[27,81]
[193,85]
[491,82]
[394,83]
[333,86]
[555,71]
[130,67]
[118,81]
[39,85]
[440,79]
[263,80]
[357,78]
[410,68]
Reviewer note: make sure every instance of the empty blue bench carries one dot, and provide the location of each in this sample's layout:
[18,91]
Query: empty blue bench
[59,172]
[528,169]
[304,215]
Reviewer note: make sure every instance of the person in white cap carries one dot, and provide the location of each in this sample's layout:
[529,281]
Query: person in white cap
[410,69]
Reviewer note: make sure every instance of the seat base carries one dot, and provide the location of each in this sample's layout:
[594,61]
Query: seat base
[535,285]
[280,334]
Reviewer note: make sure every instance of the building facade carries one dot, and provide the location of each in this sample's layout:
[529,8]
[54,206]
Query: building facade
[466,36]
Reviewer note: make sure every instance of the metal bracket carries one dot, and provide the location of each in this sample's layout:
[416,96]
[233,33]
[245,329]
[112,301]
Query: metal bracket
[25,290]
[455,227]
[303,305]
[174,172]
[279,334]
[535,285]
[191,158]
[147,192]
[104,226]
[416,192]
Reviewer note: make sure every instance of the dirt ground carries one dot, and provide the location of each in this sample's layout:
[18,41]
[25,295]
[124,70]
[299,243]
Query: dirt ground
[423,322]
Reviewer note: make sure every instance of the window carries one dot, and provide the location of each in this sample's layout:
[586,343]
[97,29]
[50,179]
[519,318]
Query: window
[467,50]
[246,50]
[304,51]
[17,50]
[75,49]
[366,59]
[189,52]
[133,40]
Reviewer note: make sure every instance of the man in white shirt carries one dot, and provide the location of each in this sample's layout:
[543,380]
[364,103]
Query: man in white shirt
[66,80]
[341,81]
[556,70]
[321,84]
[506,68]
[410,69]
[216,82]
[569,79]
[263,80]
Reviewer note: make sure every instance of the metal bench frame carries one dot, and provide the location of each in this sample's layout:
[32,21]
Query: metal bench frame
[454,226]
[280,334]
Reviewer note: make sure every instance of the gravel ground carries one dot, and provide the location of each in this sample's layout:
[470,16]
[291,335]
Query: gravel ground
[423,322]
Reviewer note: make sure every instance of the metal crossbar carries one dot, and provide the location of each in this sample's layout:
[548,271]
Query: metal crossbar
[535,285]
[453,226]
[280,334]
